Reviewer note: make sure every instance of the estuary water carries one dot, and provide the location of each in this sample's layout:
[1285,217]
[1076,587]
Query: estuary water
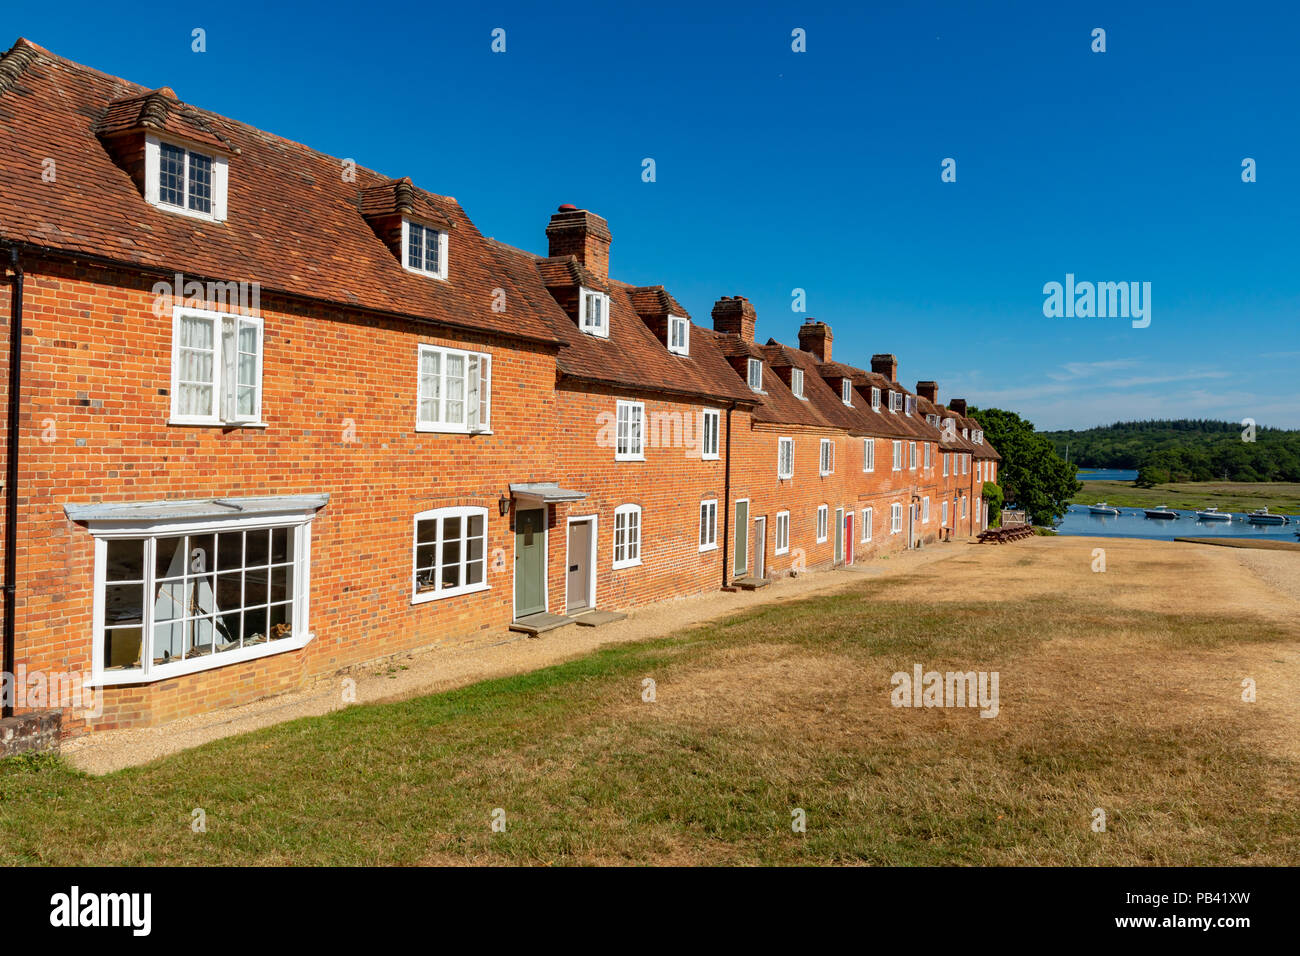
[1133,523]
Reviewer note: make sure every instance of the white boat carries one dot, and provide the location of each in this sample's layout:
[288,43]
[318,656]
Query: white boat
[1101,508]
[1262,516]
[1213,514]
[1162,512]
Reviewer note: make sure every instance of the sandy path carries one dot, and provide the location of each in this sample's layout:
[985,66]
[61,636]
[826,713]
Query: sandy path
[457,662]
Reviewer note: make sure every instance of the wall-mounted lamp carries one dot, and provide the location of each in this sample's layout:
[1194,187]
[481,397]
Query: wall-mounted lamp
[503,505]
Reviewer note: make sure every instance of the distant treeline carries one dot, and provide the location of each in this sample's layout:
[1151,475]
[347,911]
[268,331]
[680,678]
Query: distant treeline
[1186,450]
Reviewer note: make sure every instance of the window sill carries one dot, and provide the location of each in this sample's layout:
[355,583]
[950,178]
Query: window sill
[629,457]
[187,213]
[424,597]
[450,430]
[619,565]
[209,662]
[713,457]
[709,547]
[215,423]
[441,276]
[780,551]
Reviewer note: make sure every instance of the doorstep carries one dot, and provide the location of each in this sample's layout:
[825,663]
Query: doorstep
[597,618]
[749,584]
[534,624]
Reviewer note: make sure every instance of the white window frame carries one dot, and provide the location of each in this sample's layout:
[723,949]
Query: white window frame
[925,510]
[875,399]
[896,518]
[895,401]
[978,516]
[868,454]
[635,413]
[868,516]
[586,323]
[911,456]
[299,525]
[826,457]
[622,516]
[709,525]
[909,405]
[477,397]
[224,391]
[929,459]
[782,533]
[444,239]
[678,323]
[963,506]
[946,457]
[152,178]
[898,455]
[965,466]
[781,445]
[710,436]
[846,391]
[796,383]
[754,371]
[823,519]
[440,515]
[944,521]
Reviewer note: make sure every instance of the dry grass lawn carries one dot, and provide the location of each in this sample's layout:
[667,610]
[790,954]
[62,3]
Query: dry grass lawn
[1119,690]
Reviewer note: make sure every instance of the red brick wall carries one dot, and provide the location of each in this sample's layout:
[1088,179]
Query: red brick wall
[97,370]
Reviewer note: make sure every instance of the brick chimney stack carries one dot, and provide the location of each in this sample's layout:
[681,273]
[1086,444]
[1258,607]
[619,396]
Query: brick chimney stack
[957,406]
[734,315]
[886,365]
[577,232]
[929,391]
[815,337]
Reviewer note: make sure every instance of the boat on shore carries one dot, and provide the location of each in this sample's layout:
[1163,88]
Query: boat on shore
[1101,508]
[1213,514]
[1162,513]
[1262,516]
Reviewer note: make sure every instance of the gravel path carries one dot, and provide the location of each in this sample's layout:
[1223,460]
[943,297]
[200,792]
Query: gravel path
[457,662]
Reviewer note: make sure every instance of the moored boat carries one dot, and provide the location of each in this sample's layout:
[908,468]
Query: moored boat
[1262,516]
[1213,514]
[1162,512]
[1101,508]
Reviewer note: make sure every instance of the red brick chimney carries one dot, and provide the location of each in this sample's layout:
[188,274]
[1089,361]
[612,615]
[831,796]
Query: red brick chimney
[957,406]
[929,391]
[815,337]
[734,315]
[886,365]
[577,232]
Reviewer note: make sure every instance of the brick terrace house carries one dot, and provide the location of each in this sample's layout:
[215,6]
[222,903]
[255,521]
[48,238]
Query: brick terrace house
[271,415]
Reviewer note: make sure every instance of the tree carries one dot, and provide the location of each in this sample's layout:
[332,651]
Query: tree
[993,498]
[1032,474]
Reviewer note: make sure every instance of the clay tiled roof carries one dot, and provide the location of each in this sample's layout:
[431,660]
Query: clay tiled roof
[632,357]
[295,220]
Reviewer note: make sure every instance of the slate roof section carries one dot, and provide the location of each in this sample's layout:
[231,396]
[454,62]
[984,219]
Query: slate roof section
[295,221]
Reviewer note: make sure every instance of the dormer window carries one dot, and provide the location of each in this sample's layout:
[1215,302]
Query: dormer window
[183,180]
[756,375]
[796,382]
[965,433]
[593,312]
[895,401]
[979,437]
[909,405]
[425,249]
[875,399]
[679,335]
[846,391]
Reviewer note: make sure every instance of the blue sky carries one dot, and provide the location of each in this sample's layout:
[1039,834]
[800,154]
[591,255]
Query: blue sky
[820,170]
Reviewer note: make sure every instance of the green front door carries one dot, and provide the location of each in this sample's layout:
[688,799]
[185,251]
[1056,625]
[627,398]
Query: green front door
[741,567]
[530,562]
